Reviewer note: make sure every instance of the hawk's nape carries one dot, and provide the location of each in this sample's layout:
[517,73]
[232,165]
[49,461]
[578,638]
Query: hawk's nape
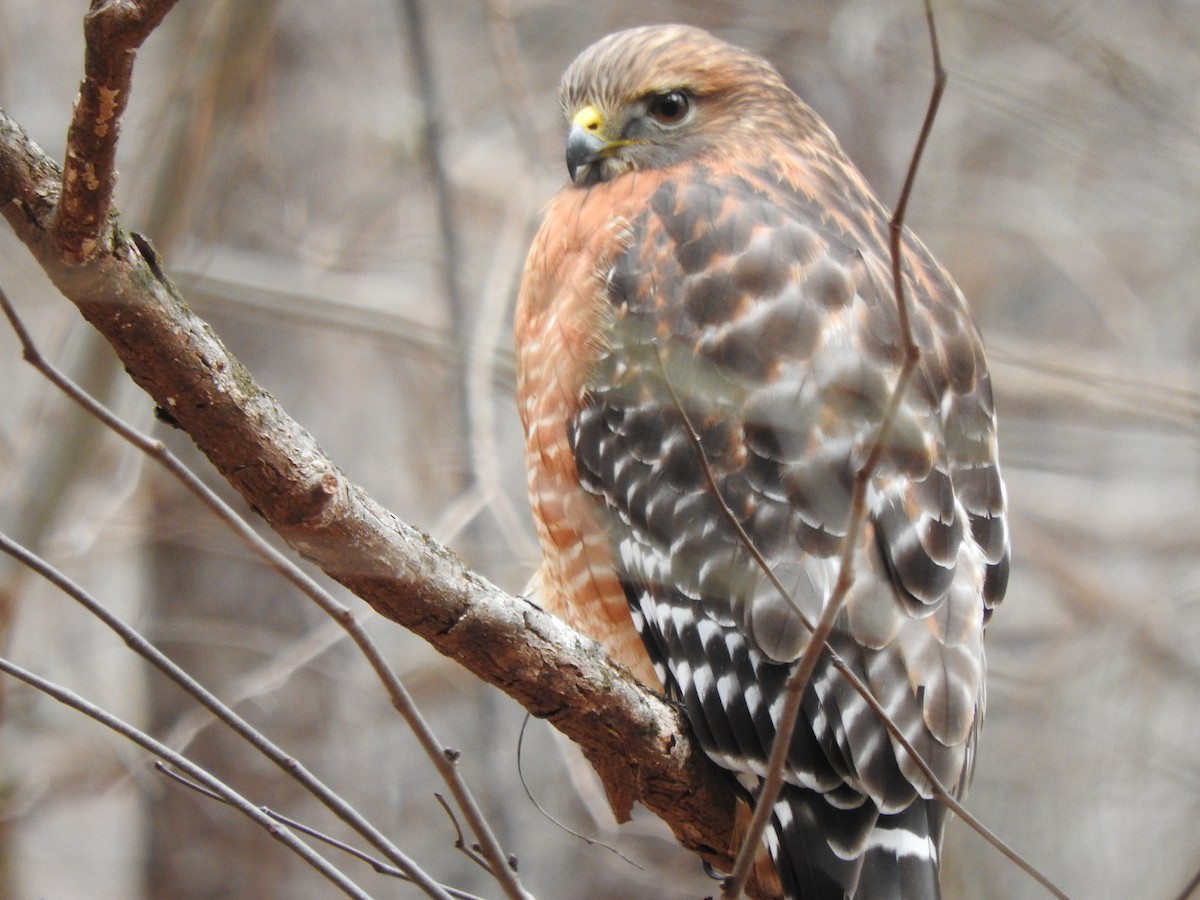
[709,303]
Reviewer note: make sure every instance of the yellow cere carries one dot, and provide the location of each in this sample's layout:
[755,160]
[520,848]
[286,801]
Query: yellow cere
[589,119]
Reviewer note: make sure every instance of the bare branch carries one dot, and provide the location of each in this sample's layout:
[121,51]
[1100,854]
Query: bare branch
[417,34]
[217,787]
[637,742]
[114,30]
[446,767]
[1190,889]
[471,852]
[381,867]
[288,764]
[491,323]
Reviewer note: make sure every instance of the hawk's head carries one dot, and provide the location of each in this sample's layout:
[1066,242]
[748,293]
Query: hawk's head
[650,97]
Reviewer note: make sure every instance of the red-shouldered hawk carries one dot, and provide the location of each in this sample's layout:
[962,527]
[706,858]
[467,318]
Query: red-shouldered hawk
[718,262]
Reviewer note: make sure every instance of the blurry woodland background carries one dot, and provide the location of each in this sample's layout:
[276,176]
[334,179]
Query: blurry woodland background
[345,190]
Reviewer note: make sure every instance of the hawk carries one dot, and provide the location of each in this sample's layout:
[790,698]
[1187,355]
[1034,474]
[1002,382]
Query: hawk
[707,341]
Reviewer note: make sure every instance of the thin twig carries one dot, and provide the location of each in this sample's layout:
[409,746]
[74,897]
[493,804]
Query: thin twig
[1092,389]
[735,883]
[799,679]
[710,481]
[818,641]
[401,699]
[590,841]
[144,648]
[937,789]
[1189,889]
[216,786]
[450,265]
[378,865]
[261,680]
[460,840]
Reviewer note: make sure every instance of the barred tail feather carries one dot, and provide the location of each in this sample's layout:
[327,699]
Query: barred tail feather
[896,858]
[799,844]
[901,859]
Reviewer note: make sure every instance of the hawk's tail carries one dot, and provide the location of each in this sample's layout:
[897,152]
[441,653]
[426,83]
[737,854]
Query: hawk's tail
[896,859]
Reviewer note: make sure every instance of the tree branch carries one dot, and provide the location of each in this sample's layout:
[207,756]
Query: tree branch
[199,775]
[637,743]
[114,30]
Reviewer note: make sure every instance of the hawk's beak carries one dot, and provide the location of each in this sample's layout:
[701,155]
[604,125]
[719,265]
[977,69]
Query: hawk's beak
[586,142]
[583,147]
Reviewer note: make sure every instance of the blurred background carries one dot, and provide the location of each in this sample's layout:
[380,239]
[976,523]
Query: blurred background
[345,190]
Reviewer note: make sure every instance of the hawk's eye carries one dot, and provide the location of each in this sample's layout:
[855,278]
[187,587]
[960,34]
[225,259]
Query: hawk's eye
[670,108]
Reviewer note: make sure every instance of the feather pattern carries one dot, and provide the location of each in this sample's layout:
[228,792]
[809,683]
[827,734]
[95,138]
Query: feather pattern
[717,311]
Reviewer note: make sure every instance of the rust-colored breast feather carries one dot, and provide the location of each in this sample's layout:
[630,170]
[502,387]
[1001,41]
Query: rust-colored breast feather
[563,314]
